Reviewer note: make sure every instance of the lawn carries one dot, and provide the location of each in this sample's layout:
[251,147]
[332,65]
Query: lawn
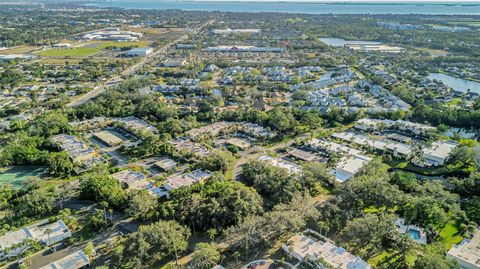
[89,48]
[450,235]
[75,52]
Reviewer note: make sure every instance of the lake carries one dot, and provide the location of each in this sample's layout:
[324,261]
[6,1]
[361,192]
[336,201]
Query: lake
[458,84]
[15,175]
[340,42]
[300,7]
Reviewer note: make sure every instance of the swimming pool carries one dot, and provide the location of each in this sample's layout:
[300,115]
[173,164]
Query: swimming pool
[415,234]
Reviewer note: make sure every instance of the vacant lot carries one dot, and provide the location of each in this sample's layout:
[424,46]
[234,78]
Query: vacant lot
[19,49]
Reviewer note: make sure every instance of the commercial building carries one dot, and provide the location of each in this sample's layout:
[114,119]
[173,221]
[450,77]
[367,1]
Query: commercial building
[76,260]
[375,48]
[229,31]
[320,252]
[438,153]
[113,34]
[135,52]
[14,243]
[243,49]
[467,253]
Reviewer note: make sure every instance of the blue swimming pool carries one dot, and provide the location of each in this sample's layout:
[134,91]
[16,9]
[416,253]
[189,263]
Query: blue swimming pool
[415,234]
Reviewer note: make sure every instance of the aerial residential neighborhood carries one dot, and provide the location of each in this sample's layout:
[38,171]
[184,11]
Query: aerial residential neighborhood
[239,134]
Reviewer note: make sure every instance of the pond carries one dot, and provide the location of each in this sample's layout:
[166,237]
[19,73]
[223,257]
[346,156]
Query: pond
[458,84]
[340,42]
[15,175]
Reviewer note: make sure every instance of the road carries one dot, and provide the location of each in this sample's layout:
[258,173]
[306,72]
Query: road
[131,69]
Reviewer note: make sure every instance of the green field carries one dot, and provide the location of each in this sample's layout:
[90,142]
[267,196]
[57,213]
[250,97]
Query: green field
[89,48]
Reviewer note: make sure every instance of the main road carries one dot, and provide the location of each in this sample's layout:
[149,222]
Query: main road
[132,69]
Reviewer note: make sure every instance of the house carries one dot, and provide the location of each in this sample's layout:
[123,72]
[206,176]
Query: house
[166,164]
[320,252]
[348,166]
[438,153]
[211,130]
[291,168]
[467,253]
[135,125]
[14,243]
[174,62]
[185,179]
[416,233]
[130,179]
[367,124]
[76,260]
[135,52]
[184,144]
[255,130]
[242,144]
[78,150]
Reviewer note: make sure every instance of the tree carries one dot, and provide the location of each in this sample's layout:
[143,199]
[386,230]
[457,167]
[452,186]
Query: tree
[101,187]
[216,204]
[60,163]
[89,249]
[150,244]
[205,256]
[256,232]
[141,204]
[357,236]
[97,219]
[434,260]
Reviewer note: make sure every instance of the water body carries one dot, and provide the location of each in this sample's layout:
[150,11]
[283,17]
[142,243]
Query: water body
[305,7]
[458,84]
[340,42]
[15,175]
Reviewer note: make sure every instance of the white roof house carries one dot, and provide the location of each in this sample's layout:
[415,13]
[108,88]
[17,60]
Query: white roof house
[235,31]
[58,231]
[290,167]
[438,153]
[75,260]
[212,130]
[349,166]
[467,253]
[318,251]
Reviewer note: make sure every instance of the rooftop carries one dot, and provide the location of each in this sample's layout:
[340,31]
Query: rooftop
[304,247]
[468,251]
[75,260]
